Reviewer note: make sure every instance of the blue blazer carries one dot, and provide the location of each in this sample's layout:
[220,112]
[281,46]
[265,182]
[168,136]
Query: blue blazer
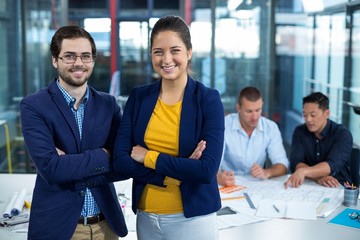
[58,196]
[202,118]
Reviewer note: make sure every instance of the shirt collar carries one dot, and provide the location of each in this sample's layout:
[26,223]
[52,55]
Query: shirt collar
[70,99]
[326,129]
[237,126]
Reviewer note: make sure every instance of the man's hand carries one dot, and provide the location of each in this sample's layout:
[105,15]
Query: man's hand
[226,178]
[138,153]
[328,181]
[296,179]
[198,150]
[258,172]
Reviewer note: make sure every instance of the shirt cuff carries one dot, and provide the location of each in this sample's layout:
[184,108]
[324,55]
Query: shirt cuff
[171,181]
[150,159]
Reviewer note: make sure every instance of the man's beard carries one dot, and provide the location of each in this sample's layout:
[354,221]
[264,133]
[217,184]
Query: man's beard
[70,81]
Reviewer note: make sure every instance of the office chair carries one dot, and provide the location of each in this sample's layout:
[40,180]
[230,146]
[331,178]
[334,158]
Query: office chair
[355,166]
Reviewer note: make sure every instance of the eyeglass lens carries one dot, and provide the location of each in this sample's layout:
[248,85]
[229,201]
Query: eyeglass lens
[355,215]
[71,58]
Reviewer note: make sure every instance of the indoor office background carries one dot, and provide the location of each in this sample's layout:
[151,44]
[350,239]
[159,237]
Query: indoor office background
[286,48]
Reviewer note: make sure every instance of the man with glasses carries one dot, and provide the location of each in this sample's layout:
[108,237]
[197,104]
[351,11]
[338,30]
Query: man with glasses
[320,148]
[69,130]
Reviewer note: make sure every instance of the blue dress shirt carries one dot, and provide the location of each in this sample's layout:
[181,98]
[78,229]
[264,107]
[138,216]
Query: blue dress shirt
[334,148]
[241,151]
[90,207]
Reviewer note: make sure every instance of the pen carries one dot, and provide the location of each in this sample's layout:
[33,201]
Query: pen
[251,204]
[276,209]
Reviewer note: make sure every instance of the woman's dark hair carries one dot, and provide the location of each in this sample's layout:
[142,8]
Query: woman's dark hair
[173,24]
[69,32]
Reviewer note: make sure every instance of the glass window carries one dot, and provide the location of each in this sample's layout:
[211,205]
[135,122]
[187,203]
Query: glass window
[322,40]
[134,54]
[4,80]
[242,49]
[338,41]
[309,64]
[329,61]
[354,121]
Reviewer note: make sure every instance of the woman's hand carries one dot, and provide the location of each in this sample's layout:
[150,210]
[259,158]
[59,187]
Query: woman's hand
[198,150]
[138,153]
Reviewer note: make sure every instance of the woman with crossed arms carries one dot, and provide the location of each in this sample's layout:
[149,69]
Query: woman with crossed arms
[170,142]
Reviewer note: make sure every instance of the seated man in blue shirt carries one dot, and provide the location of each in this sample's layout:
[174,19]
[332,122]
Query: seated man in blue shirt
[320,148]
[249,140]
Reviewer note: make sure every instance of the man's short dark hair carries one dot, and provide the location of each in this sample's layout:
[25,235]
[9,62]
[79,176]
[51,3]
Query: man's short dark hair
[318,98]
[69,32]
[250,93]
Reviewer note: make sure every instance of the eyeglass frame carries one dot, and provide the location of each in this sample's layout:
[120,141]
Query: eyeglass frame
[354,215]
[76,56]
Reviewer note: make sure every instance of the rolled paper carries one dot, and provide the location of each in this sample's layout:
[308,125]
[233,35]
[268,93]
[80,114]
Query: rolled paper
[9,206]
[19,203]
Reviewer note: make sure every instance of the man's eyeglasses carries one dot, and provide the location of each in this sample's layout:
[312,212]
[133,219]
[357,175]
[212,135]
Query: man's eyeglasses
[355,215]
[71,58]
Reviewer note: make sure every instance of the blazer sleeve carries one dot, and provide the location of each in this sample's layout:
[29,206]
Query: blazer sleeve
[111,176]
[123,163]
[209,126]
[44,130]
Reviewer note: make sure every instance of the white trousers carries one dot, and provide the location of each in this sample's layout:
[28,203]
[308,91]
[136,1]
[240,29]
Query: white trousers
[151,226]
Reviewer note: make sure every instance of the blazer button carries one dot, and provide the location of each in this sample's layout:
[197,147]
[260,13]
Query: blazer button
[82,193]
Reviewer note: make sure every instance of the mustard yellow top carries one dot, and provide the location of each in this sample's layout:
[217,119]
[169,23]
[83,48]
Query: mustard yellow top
[162,135]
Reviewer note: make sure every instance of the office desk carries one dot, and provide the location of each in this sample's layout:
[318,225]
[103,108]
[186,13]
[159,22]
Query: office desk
[285,229]
[276,229]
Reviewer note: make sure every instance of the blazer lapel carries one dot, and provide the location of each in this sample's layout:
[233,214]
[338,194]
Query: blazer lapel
[89,118]
[189,119]
[65,110]
[146,108]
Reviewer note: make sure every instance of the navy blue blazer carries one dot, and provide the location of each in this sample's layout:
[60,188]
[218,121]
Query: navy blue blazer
[202,118]
[58,196]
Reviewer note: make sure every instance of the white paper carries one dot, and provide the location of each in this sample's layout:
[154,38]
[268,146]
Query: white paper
[301,210]
[307,193]
[267,208]
[234,220]
[15,205]
[290,209]
[9,206]
[19,203]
